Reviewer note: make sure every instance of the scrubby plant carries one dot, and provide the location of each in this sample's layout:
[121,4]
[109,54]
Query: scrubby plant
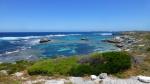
[109,62]
[147,36]
[81,70]
[60,66]
[117,61]
[148,49]
[15,67]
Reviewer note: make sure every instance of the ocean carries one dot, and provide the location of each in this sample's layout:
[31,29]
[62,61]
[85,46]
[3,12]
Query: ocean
[16,46]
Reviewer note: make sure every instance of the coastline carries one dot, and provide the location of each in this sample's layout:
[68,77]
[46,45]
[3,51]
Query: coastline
[130,75]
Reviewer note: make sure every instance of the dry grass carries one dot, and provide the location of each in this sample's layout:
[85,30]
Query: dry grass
[8,80]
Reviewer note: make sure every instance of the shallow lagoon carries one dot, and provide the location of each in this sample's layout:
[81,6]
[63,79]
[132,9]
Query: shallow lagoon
[26,46]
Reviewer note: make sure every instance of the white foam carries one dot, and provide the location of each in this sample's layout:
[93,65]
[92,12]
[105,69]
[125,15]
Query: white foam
[11,52]
[74,34]
[34,42]
[59,35]
[30,37]
[106,34]
[18,38]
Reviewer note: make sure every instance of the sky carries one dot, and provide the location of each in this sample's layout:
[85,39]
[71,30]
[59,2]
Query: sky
[74,15]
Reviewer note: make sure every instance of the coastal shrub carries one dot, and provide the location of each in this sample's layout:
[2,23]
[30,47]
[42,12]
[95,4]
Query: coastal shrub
[41,67]
[109,62]
[94,59]
[147,36]
[116,61]
[15,67]
[81,70]
[60,66]
[148,49]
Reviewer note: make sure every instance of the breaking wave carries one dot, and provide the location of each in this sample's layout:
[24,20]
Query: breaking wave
[19,38]
[10,52]
[60,35]
[105,34]
[34,37]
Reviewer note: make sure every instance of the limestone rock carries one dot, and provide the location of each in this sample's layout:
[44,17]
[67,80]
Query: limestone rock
[144,79]
[93,77]
[3,72]
[54,82]
[18,74]
[103,75]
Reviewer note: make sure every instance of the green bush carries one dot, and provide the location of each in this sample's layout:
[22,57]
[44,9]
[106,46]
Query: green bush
[80,70]
[41,67]
[116,61]
[148,49]
[109,62]
[60,66]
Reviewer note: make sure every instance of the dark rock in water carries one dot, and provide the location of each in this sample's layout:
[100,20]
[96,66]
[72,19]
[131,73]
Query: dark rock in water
[119,45]
[84,39]
[44,40]
[111,41]
[103,40]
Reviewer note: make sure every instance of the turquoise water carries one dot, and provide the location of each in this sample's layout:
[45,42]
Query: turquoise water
[19,46]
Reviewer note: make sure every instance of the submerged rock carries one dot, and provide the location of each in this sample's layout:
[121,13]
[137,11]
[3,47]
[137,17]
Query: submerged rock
[44,40]
[119,45]
[111,41]
[85,39]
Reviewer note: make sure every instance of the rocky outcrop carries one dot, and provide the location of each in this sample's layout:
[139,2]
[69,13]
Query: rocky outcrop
[102,75]
[119,45]
[18,74]
[111,41]
[44,40]
[101,79]
[144,79]
[93,77]
[3,72]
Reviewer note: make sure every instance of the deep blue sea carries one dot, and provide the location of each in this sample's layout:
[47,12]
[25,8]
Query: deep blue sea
[25,45]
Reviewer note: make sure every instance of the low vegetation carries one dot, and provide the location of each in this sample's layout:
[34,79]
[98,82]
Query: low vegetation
[109,62]
[56,66]
[15,67]
[8,80]
[148,49]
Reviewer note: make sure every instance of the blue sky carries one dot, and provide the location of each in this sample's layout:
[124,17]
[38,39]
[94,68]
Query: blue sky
[74,15]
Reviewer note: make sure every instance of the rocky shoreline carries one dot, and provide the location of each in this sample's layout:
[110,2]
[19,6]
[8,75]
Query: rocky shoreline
[103,78]
[125,41]
[131,42]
